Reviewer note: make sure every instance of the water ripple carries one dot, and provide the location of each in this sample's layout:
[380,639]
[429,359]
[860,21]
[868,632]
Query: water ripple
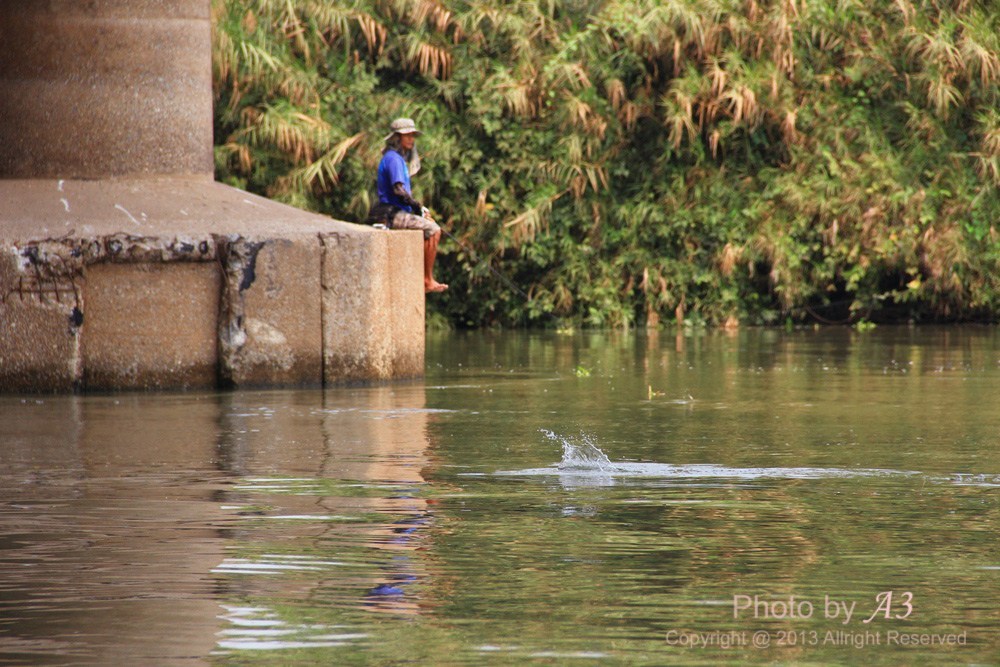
[259,629]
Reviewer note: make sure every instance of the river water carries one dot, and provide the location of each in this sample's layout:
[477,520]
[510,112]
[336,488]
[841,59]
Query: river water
[820,496]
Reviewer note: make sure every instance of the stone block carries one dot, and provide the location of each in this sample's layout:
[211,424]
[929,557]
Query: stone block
[150,325]
[271,325]
[407,303]
[357,307]
[373,305]
[39,317]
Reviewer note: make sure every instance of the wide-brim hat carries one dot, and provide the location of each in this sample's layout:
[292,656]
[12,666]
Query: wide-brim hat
[402,126]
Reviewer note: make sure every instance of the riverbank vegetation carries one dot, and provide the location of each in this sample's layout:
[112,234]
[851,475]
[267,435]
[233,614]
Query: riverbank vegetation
[628,163]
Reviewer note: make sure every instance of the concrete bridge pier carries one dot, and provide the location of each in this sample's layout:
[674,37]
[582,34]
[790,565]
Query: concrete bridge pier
[123,265]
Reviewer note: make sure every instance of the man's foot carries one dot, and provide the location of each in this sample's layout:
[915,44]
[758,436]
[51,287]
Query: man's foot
[434,286]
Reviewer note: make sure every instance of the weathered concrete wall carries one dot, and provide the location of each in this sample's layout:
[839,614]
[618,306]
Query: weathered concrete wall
[360,340]
[39,348]
[105,88]
[122,265]
[270,331]
[149,325]
[209,286]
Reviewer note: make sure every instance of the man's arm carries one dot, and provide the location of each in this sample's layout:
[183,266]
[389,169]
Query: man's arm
[400,191]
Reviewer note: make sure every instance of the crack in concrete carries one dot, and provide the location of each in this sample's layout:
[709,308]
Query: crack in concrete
[238,259]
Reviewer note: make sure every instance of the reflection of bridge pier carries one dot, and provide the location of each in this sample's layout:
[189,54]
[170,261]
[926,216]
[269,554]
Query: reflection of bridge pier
[109,529]
[123,265]
[119,516]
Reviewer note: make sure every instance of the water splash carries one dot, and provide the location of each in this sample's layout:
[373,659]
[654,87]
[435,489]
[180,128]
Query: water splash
[580,455]
[584,464]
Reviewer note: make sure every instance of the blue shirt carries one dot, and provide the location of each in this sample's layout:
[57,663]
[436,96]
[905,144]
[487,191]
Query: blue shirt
[391,170]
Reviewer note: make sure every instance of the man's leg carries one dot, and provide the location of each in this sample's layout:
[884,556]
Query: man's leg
[430,254]
[432,236]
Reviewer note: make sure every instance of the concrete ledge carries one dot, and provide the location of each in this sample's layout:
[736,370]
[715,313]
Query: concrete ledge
[371,316]
[39,341]
[407,303]
[270,327]
[150,326]
[357,331]
[182,283]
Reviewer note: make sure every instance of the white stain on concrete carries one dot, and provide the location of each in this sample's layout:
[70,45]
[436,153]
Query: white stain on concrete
[125,211]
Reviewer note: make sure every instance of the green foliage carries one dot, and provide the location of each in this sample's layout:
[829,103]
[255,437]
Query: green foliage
[625,163]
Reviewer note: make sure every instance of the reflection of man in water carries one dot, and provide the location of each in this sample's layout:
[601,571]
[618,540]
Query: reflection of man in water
[390,595]
[386,444]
